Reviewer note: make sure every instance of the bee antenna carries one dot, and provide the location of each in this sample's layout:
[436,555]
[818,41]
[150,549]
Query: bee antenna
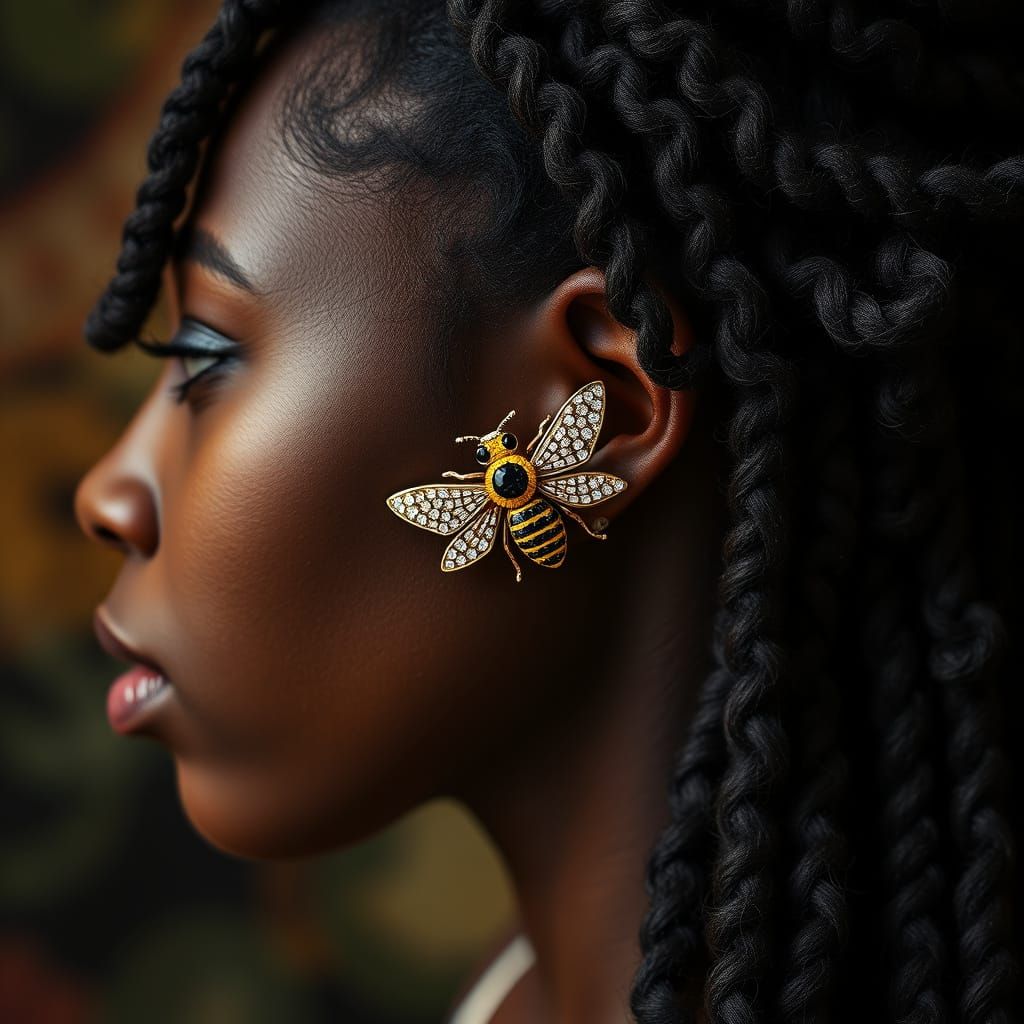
[467,437]
[506,419]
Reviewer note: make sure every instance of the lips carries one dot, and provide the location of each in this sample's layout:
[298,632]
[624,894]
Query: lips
[134,697]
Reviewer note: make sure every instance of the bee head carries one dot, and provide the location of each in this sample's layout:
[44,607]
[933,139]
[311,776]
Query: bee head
[497,442]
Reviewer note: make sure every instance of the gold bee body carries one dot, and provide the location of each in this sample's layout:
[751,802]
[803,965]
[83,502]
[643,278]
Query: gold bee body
[522,496]
[539,532]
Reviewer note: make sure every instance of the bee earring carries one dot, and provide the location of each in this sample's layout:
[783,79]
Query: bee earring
[533,491]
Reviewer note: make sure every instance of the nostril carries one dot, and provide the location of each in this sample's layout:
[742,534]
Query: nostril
[115,508]
[106,534]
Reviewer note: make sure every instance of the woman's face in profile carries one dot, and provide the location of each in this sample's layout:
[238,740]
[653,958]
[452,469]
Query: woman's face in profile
[325,676]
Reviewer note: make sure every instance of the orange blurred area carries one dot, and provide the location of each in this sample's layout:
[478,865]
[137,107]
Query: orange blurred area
[112,908]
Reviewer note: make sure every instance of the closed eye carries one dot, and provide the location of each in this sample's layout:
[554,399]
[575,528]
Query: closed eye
[207,370]
[201,351]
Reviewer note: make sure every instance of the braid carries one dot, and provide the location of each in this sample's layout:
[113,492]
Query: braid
[856,320]
[913,877]
[817,899]
[892,60]
[908,69]
[968,640]
[605,232]
[671,935]
[188,116]
[710,82]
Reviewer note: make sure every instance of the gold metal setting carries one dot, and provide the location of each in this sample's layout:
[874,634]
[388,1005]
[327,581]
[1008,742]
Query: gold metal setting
[528,497]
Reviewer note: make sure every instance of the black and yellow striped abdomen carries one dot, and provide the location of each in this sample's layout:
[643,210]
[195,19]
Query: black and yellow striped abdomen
[539,532]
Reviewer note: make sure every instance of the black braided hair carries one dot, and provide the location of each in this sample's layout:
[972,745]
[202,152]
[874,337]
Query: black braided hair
[913,877]
[830,189]
[967,646]
[829,518]
[188,116]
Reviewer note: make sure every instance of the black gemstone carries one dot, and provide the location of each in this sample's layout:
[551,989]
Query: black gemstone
[509,441]
[483,456]
[510,480]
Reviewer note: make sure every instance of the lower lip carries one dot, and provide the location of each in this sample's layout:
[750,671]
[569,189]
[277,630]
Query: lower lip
[133,697]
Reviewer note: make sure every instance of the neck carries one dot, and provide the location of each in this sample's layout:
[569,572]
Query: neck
[576,819]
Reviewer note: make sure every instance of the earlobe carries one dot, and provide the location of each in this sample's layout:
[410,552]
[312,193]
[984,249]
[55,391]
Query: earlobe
[645,425]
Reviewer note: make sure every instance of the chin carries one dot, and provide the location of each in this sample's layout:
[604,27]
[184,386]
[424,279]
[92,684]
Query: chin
[240,818]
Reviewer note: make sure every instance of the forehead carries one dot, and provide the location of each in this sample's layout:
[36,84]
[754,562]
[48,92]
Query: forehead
[299,234]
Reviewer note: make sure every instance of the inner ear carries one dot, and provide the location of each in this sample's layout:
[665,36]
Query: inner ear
[602,338]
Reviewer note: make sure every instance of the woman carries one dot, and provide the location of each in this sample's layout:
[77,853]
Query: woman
[778,236]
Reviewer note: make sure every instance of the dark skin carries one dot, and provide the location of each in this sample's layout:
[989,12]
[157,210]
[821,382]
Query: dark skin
[327,677]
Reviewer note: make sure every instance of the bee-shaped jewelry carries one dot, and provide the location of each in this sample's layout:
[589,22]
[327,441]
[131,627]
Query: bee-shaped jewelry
[529,490]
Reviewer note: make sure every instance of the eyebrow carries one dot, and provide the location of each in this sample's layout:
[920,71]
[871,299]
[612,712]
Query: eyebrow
[199,246]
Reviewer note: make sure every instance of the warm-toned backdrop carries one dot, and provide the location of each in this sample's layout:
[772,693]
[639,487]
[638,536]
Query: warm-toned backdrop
[111,908]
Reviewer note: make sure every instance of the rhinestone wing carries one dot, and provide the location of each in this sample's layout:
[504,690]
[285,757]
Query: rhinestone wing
[443,509]
[583,489]
[571,436]
[473,542]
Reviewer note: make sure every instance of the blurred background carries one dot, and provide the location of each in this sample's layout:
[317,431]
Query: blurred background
[111,908]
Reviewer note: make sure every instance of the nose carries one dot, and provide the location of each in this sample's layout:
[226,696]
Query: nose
[115,505]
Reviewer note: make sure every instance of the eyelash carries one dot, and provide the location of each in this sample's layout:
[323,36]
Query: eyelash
[180,391]
[174,347]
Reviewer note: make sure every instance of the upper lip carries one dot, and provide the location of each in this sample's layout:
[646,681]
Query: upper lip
[117,648]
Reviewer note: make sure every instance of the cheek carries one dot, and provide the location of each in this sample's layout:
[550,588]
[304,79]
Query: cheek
[258,555]
[323,685]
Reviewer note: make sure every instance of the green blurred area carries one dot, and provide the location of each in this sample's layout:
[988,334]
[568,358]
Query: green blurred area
[111,908]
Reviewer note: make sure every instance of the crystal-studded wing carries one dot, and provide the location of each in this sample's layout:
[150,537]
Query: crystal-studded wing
[583,488]
[475,541]
[441,509]
[572,434]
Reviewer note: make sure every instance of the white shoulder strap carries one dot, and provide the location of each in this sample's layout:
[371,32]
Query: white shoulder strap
[495,983]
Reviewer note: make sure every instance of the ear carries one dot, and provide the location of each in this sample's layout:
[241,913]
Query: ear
[576,339]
